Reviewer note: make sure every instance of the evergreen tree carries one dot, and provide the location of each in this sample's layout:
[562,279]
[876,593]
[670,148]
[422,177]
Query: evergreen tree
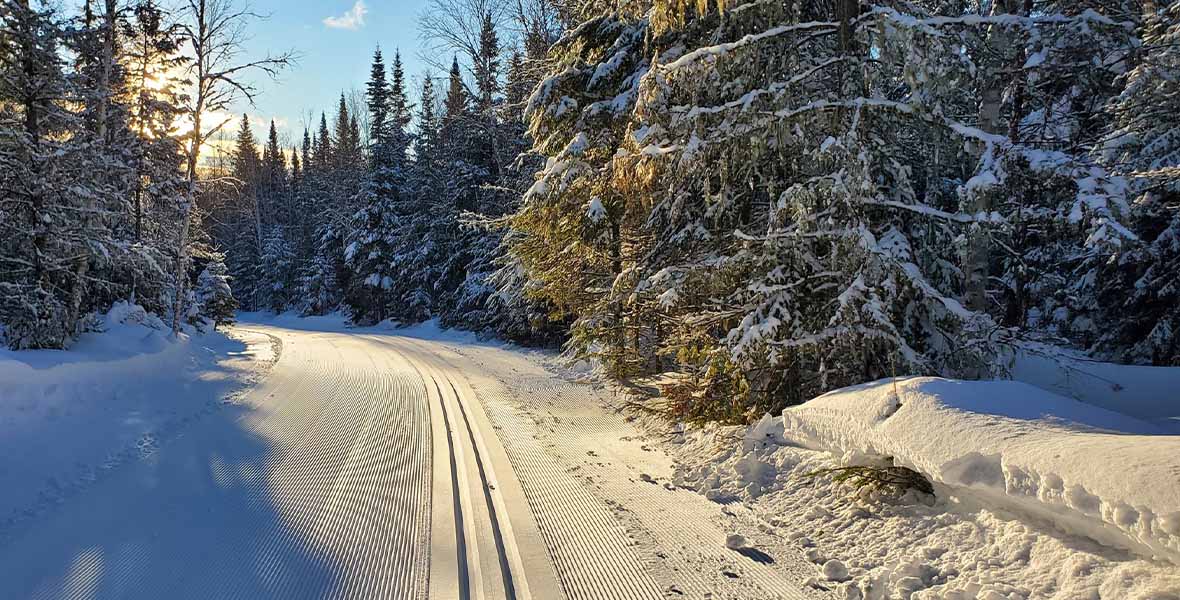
[244,227]
[322,150]
[344,144]
[762,209]
[377,94]
[278,270]
[40,170]
[214,296]
[400,112]
[1138,288]
[376,224]
[273,184]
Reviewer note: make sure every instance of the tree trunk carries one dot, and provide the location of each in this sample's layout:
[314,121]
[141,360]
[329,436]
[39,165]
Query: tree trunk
[978,255]
[180,285]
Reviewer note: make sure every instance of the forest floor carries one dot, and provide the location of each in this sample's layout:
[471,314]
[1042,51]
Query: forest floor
[301,458]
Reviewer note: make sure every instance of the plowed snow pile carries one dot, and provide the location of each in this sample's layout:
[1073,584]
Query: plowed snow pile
[1090,471]
[1036,495]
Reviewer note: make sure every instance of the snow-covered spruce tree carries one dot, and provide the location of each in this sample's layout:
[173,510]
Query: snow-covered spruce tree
[214,298]
[278,269]
[152,57]
[493,148]
[564,236]
[1138,303]
[242,233]
[461,167]
[96,43]
[319,277]
[510,309]
[43,186]
[273,186]
[372,239]
[763,195]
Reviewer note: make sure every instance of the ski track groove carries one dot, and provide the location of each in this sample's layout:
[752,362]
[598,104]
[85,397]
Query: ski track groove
[461,458]
[363,460]
[323,489]
[654,506]
[538,402]
[591,551]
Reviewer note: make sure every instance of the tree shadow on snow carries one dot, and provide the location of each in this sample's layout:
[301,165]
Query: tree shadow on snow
[198,518]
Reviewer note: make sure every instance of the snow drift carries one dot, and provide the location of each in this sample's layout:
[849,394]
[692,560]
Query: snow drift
[1083,469]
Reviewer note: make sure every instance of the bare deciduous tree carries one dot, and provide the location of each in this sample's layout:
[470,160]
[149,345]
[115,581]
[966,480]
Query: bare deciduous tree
[215,31]
[449,26]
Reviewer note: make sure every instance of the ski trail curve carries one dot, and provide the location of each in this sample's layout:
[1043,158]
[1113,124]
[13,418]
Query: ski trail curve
[317,485]
[374,465]
[591,553]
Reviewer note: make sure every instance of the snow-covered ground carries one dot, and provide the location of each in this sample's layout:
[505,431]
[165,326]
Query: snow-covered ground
[1035,495]
[123,473]
[1147,393]
[70,417]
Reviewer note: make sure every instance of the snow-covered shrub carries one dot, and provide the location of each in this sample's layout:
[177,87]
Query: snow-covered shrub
[33,318]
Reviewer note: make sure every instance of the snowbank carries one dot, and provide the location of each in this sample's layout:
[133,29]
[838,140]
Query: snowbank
[67,417]
[1148,393]
[1086,470]
[128,339]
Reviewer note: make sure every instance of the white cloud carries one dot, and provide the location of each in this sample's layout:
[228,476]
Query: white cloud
[353,19]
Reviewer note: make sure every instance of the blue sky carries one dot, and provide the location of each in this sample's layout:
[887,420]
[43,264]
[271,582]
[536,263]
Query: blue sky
[336,39]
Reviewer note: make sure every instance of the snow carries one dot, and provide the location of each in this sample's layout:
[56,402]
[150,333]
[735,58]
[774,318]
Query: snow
[726,48]
[1091,472]
[1035,495]
[834,570]
[115,395]
[1143,392]
[594,210]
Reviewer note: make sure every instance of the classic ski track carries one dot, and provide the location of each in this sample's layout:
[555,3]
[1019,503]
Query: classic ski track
[591,551]
[487,558]
[367,466]
[656,508]
[343,471]
[348,473]
[649,510]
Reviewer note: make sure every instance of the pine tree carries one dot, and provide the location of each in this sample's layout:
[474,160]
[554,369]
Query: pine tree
[273,184]
[39,170]
[760,208]
[1138,288]
[370,245]
[278,270]
[243,220]
[377,94]
[400,112]
[322,150]
[296,169]
[345,146]
[487,66]
[214,298]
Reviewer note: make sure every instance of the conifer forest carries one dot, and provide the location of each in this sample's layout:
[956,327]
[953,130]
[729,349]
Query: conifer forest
[765,199]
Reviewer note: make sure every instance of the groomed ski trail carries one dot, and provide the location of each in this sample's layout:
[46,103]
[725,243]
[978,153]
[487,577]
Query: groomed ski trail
[376,465]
